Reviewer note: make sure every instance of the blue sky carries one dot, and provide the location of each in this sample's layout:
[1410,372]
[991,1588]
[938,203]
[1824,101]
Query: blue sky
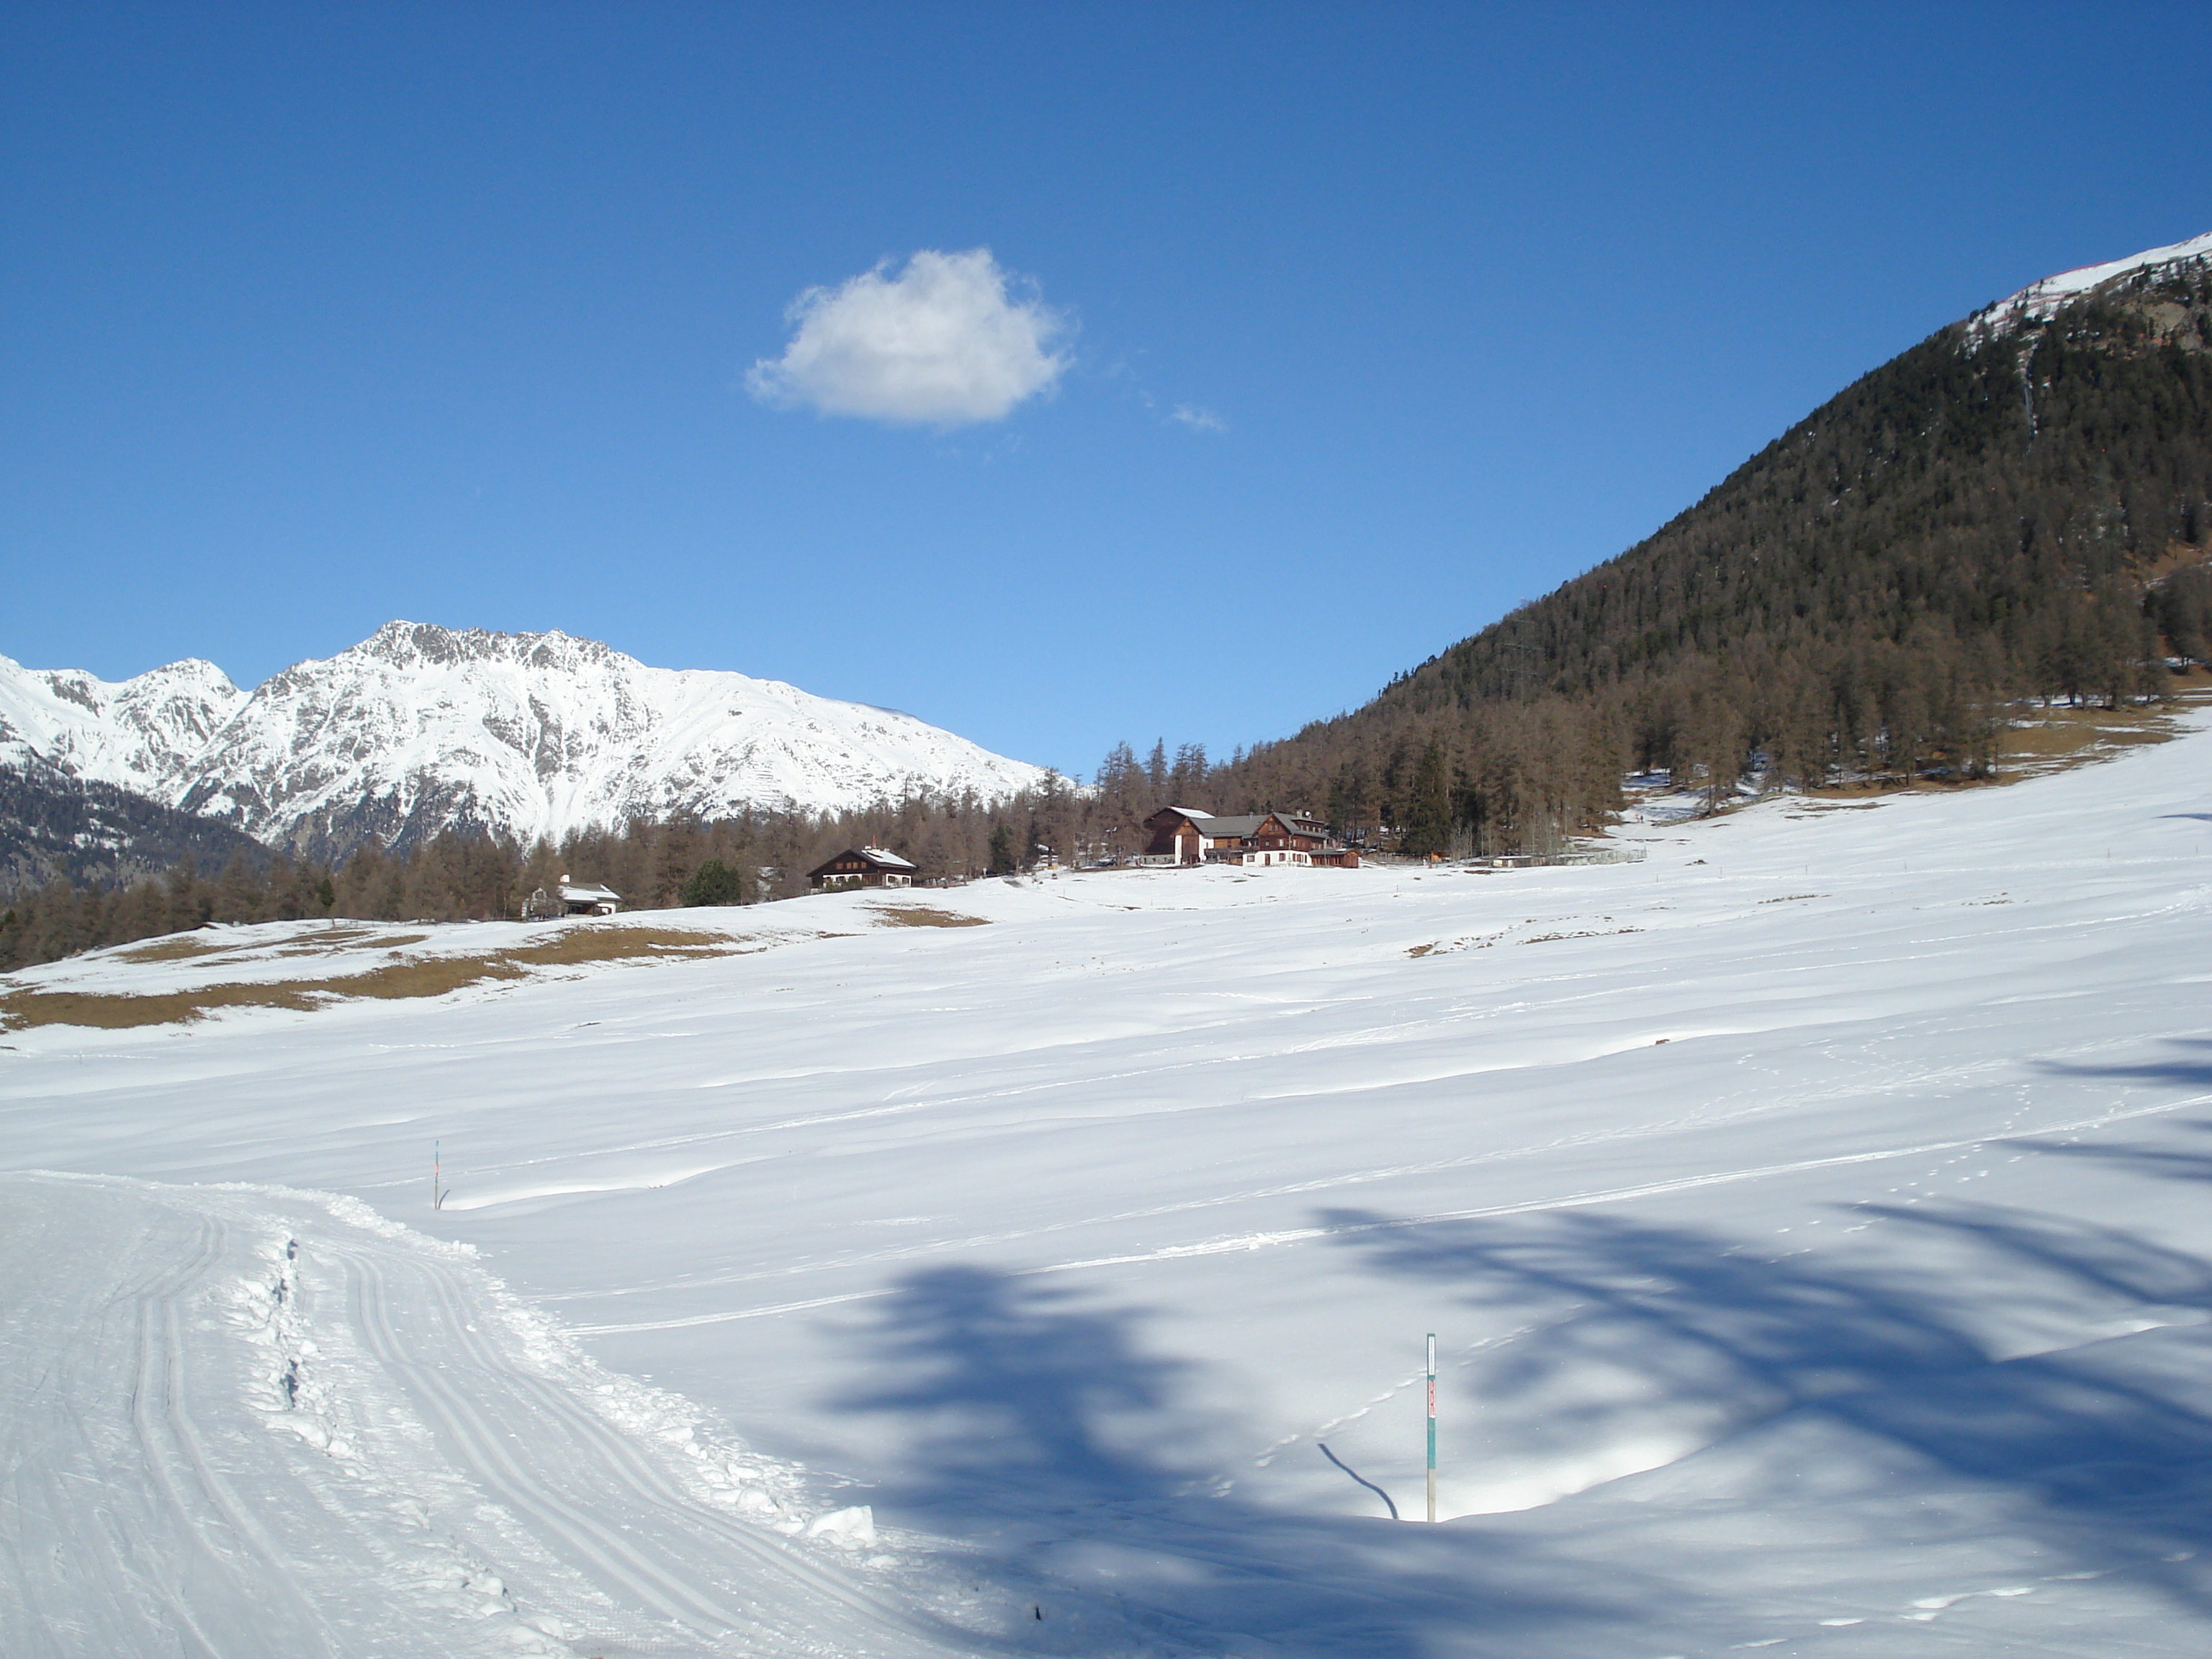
[315,316]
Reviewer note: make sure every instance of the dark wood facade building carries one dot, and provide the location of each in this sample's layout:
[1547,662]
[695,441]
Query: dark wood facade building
[1181,834]
[862,866]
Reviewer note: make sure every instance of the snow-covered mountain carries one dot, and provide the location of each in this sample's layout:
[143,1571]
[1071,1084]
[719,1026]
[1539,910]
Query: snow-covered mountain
[2039,299]
[420,728]
[143,733]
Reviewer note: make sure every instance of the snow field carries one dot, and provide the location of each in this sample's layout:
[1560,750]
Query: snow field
[1811,1217]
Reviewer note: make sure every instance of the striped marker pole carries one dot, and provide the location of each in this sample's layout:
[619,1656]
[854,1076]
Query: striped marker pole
[437,1152]
[1432,1426]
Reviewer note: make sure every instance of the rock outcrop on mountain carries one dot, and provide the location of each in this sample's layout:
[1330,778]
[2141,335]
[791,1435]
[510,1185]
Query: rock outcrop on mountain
[420,729]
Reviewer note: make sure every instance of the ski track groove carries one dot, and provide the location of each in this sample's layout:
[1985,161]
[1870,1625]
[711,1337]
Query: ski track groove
[179,1466]
[153,1502]
[675,1544]
[611,1562]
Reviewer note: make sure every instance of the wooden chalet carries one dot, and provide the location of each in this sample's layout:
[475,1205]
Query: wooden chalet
[1180,836]
[587,899]
[862,866]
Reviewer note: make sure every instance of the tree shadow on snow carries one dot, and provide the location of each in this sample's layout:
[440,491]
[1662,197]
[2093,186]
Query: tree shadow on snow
[2167,1162]
[1041,1428]
[2190,1068]
[1809,1373]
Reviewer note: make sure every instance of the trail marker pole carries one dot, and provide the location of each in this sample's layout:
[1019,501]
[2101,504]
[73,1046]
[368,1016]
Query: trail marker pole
[1432,1426]
[436,1161]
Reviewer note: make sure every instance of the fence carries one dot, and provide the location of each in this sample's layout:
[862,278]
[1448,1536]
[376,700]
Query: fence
[1575,855]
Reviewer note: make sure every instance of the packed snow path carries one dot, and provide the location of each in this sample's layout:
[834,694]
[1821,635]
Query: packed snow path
[240,1424]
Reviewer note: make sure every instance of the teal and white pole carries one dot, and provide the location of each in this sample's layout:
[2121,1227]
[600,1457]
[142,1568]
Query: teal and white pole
[1432,1426]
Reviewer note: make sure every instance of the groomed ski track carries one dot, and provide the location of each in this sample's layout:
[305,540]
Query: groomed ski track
[246,1423]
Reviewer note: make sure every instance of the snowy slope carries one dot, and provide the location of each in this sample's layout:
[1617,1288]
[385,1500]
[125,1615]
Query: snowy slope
[143,733]
[419,728]
[1811,1217]
[2038,300]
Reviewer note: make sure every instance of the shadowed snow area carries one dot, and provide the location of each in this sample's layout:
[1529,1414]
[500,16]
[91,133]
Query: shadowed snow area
[1812,1218]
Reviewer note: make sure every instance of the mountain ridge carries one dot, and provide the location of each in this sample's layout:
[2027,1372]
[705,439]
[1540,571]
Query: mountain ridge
[421,728]
[2040,299]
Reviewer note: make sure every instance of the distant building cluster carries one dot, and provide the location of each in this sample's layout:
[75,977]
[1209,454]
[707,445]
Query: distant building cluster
[1186,834]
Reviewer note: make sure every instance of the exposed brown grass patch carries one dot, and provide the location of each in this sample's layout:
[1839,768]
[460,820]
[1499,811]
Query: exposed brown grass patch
[172,947]
[423,976]
[106,1012]
[920,915]
[2048,740]
[427,976]
[574,944]
[323,941]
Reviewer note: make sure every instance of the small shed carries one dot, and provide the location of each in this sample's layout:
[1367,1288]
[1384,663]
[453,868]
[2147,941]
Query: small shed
[582,899]
[862,866]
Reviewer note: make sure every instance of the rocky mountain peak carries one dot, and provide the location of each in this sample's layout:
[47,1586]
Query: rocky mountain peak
[420,728]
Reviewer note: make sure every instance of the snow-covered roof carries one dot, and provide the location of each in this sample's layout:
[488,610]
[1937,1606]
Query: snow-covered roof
[573,893]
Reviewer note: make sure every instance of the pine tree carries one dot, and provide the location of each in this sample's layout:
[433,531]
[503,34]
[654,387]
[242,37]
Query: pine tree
[1429,819]
[713,883]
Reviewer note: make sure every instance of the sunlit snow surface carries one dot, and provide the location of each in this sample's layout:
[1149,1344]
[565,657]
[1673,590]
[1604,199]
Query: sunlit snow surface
[1813,1219]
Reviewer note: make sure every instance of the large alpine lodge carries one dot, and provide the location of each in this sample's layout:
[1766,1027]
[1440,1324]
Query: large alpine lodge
[1185,835]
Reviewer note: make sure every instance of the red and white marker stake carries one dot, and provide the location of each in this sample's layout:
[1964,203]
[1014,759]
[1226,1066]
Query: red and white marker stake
[1432,1426]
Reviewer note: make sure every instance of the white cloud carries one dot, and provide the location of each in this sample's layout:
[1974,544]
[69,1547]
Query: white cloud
[1197,419]
[939,345]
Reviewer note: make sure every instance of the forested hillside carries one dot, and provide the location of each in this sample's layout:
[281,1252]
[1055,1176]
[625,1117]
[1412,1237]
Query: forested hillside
[2016,506]
[56,828]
